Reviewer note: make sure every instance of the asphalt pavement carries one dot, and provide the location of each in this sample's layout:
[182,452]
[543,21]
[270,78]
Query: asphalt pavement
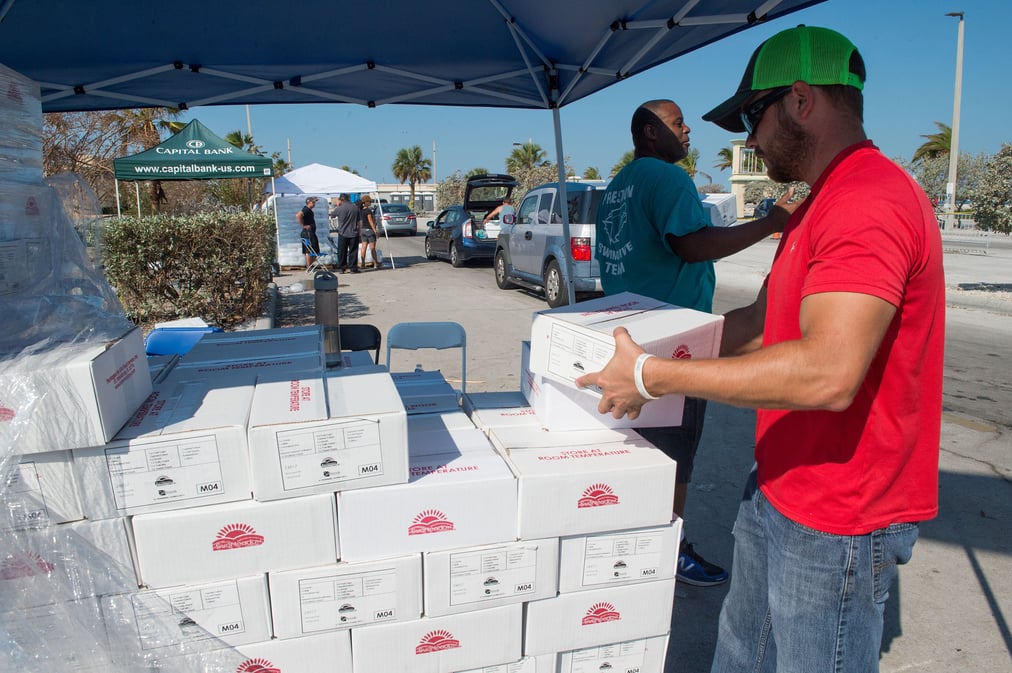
[952,606]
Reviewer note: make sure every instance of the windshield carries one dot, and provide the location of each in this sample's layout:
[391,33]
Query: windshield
[395,208]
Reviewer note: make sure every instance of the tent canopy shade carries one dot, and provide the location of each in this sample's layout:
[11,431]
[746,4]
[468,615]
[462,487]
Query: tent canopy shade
[320,179]
[194,153]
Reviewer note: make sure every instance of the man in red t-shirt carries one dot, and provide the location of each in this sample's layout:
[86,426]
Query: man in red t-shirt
[841,355]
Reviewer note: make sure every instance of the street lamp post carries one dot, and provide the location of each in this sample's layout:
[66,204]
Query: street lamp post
[950,187]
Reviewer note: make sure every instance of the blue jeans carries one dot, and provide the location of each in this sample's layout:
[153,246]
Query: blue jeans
[804,601]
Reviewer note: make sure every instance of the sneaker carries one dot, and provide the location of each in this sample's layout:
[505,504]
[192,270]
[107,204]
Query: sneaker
[695,570]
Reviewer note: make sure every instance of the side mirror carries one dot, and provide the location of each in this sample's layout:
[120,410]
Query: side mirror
[430,224]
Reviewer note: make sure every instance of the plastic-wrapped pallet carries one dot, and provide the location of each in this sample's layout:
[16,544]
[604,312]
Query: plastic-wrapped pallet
[21,121]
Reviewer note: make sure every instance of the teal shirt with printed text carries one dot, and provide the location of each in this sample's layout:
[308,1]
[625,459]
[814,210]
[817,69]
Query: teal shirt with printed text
[647,200]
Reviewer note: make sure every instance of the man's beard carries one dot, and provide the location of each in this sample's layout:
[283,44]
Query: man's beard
[788,153]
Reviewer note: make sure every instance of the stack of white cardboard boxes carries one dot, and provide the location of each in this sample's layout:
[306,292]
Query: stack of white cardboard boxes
[357,520]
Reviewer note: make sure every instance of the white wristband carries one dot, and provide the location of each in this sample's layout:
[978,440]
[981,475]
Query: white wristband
[638,376]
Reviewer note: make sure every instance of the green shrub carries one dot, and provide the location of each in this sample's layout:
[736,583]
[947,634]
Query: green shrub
[214,266]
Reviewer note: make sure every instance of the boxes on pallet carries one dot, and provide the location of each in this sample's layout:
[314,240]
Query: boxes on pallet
[439,422]
[265,344]
[346,595]
[570,341]
[243,371]
[320,435]
[42,489]
[475,578]
[98,384]
[311,654]
[635,656]
[425,392]
[185,446]
[461,498]
[574,483]
[540,664]
[440,644]
[584,619]
[48,565]
[231,612]
[203,544]
[561,407]
[450,440]
[619,557]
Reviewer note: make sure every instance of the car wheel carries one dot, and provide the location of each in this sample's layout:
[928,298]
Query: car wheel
[455,259]
[428,249]
[501,279]
[555,292]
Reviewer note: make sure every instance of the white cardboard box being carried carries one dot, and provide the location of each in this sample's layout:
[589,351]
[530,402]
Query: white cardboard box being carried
[561,407]
[204,544]
[84,392]
[303,440]
[475,578]
[570,341]
[574,483]
[234,612]
[185,446]
[451,500]
[598,617]
[440,644]
[634,656]
[346,595]
[42,490]
[620,557]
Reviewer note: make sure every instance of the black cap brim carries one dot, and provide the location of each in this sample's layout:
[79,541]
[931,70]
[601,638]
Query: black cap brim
[727,115]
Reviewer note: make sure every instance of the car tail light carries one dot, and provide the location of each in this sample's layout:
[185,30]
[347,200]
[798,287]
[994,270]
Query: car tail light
[579,247]
[386,217]
[411,217]
[466,229]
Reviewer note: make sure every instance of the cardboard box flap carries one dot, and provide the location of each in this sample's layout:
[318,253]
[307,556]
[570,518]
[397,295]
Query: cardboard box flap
[181,407]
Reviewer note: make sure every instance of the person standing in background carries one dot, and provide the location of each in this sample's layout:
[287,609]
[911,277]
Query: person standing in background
[367,233]
[307,221]
[654,238]
[347,215]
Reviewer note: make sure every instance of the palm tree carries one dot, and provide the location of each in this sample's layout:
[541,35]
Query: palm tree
[592,173]
[411,167]
[525,157]
[476,171]
[725,158]
[623,162]
[689,162]
[937,144]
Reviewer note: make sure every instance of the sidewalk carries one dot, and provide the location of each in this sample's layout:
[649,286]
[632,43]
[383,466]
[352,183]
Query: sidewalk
[951,609]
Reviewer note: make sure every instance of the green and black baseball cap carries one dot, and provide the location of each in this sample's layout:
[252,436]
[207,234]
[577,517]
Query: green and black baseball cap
[818,56]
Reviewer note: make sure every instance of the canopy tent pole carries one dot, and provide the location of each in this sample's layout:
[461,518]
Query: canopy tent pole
[119,210]
[137,191]
[564,204]
[277,224]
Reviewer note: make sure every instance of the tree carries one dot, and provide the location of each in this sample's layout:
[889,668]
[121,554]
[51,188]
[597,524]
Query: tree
[475,171]
[84,143]
[932,173]
[622,163]
[765,189]
[937,144]
[348,168]
[592,173]
[411,167]
[992,196]
[725,158]
[525,157]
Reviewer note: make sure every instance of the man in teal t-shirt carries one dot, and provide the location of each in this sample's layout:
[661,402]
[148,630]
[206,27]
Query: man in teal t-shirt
[654,238]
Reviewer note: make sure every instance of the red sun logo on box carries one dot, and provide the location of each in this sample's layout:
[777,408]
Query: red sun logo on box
[236,536]
[600,613]
[436,641]
[24,565]
[257,666]
[682,353]
[597,495]
[430,521]
[7,414]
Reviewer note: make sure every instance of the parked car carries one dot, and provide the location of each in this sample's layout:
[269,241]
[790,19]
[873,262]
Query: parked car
[533,251]
[395,218]
[457,233]
[763,208]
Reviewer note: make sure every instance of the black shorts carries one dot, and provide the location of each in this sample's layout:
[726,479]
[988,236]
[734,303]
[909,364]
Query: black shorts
[368,236]
[680,443]
[314,242]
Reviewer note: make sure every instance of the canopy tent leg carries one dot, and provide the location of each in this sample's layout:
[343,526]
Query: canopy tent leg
[137,191]
[277,226]
[563,195]
[119,210]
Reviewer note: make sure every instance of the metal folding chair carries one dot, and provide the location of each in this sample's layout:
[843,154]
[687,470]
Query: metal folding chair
[361,337]
[316,264]
[437,335]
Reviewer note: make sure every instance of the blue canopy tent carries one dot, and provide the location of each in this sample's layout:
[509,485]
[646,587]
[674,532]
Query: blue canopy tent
[524,53]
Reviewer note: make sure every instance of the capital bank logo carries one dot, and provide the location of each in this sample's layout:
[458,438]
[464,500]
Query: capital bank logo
[24,565]
[257,666]
[430,521]
[682,353]
[236,536]
[194,144]
[600,613]
[597,495]
[436,641]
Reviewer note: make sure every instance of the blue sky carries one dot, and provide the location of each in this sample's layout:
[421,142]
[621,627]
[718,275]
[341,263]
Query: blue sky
[909,47]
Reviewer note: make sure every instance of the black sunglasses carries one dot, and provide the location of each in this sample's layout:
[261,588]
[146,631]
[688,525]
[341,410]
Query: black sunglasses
[753,113]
